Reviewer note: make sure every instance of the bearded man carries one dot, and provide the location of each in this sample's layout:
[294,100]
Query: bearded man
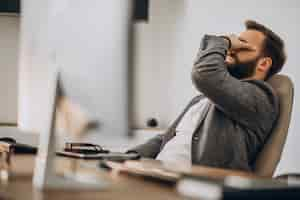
[228,123]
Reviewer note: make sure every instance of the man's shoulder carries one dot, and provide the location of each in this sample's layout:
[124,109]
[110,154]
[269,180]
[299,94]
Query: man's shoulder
[267,103]
[267,89]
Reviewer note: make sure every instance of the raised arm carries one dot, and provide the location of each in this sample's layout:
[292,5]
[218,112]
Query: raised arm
[242,101]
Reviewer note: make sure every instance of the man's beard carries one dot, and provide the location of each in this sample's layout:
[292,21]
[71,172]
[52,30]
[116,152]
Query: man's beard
[242,70]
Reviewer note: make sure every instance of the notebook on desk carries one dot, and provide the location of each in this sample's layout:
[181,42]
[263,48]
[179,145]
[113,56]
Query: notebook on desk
[115,156]
[94,152]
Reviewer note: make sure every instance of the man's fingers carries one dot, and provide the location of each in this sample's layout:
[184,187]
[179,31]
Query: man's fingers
[236,43]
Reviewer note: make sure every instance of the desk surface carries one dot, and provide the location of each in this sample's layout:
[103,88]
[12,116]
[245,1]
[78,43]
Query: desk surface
[122,186]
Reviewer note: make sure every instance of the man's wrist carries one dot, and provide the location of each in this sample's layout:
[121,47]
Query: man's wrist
[226,38]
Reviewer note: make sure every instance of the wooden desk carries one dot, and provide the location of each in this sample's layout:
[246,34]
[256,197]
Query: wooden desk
[123,186]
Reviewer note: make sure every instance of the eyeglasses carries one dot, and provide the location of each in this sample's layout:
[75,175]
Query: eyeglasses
[84,148]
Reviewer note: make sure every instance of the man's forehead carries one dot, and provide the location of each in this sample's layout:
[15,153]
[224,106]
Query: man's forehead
[252,36]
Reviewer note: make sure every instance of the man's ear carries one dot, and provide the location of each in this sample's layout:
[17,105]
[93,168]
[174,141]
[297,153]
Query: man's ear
[264,64]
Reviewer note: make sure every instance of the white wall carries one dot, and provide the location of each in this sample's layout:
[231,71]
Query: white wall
[88,43]
[9,36]
[171,43]
[156,43]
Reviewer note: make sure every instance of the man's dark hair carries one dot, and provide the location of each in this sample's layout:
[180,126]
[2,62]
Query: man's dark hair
[273,46]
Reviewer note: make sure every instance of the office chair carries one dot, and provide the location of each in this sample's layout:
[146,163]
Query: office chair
[269,157]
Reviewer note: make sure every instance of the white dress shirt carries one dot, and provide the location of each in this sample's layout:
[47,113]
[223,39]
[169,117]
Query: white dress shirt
[178,149]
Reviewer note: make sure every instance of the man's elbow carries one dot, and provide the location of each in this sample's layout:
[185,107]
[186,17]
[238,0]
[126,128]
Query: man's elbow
[208,78]
[198,78]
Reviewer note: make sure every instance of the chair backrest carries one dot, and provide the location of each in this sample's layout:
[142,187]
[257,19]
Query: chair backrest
[269,157]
